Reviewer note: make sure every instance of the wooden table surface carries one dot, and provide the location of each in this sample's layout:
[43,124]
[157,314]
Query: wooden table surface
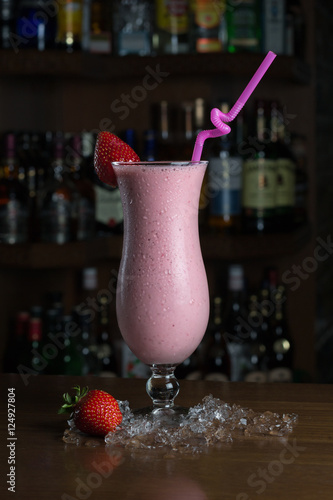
[300,467]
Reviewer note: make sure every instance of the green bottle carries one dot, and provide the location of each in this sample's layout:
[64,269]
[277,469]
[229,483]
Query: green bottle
[243,25]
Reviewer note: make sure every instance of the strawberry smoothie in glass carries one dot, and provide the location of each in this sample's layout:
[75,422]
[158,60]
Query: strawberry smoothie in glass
[162,291]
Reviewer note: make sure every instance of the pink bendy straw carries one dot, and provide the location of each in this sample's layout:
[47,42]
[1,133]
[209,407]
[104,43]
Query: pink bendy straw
[218,118]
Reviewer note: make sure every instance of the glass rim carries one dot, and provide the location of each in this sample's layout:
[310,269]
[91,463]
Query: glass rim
[158,163]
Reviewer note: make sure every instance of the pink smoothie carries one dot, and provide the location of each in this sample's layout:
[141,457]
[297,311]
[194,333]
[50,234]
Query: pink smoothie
[162,292]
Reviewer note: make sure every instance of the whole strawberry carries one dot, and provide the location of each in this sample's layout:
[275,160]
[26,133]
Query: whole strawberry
[94,412]
[109,148]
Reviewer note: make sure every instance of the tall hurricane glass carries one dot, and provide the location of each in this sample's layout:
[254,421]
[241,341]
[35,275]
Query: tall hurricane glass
[162,291]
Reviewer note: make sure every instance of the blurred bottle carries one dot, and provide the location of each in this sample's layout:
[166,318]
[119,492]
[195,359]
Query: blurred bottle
[285,170]
[172,26]
[186,137]
[83,196]
[259,180]
[109,216]
[29,161]
[217,361]
[296,34]
[73,360]
[131,366]
[106,351]
[236,333]
[16,342]
[52,329]
[55,200]
[132,27]
[7,23]
[273,26]
[54,302]
[100,27]
[164,123]
[243,22]
[191,368]
[14,200]
[280,348]
[209,30]
[225,179]
[36,27]
[149,146]
[298,147]
[86,342]
[257,367]
[70,25]
[33,358]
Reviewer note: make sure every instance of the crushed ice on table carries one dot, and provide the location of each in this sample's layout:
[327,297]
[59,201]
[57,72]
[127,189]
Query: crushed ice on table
[210,422]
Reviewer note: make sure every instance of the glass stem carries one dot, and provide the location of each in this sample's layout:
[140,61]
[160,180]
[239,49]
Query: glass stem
[162,387]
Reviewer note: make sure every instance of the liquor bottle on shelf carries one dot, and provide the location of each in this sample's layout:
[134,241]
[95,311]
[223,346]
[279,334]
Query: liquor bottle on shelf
[273,26]
[172,26]
[132,27]
[243,22]
[55,200]
[109,216]
[257,368]
[259,180]
[86,342]
[7,23]
[29,161]
[16,342]
[285,170]
[186,137]
[297,29]
[209,29]
[52,328]
[33,360]
[14,201]
[149,145]
[236,334]
[54,302]
[130,137]
[73,360]
[100,27]
[70,25]
[106,351]
[192,367]
[280,349]
[217,360]
[298,147]
[36,27]
[83,209]
[164,123]
[225,180]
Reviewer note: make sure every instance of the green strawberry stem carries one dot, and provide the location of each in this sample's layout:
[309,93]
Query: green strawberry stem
[71,401]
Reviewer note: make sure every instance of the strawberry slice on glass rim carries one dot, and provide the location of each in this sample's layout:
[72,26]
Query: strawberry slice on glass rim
[109,147]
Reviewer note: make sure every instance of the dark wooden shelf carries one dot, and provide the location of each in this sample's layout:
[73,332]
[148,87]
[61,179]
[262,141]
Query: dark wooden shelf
[27,62]
[83,254]
[248,246]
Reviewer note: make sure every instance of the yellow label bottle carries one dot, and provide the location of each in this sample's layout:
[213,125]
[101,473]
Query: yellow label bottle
[209,26]
[70,23]
[172,22]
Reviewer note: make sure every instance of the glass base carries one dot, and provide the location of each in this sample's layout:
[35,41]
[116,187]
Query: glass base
[171,417]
